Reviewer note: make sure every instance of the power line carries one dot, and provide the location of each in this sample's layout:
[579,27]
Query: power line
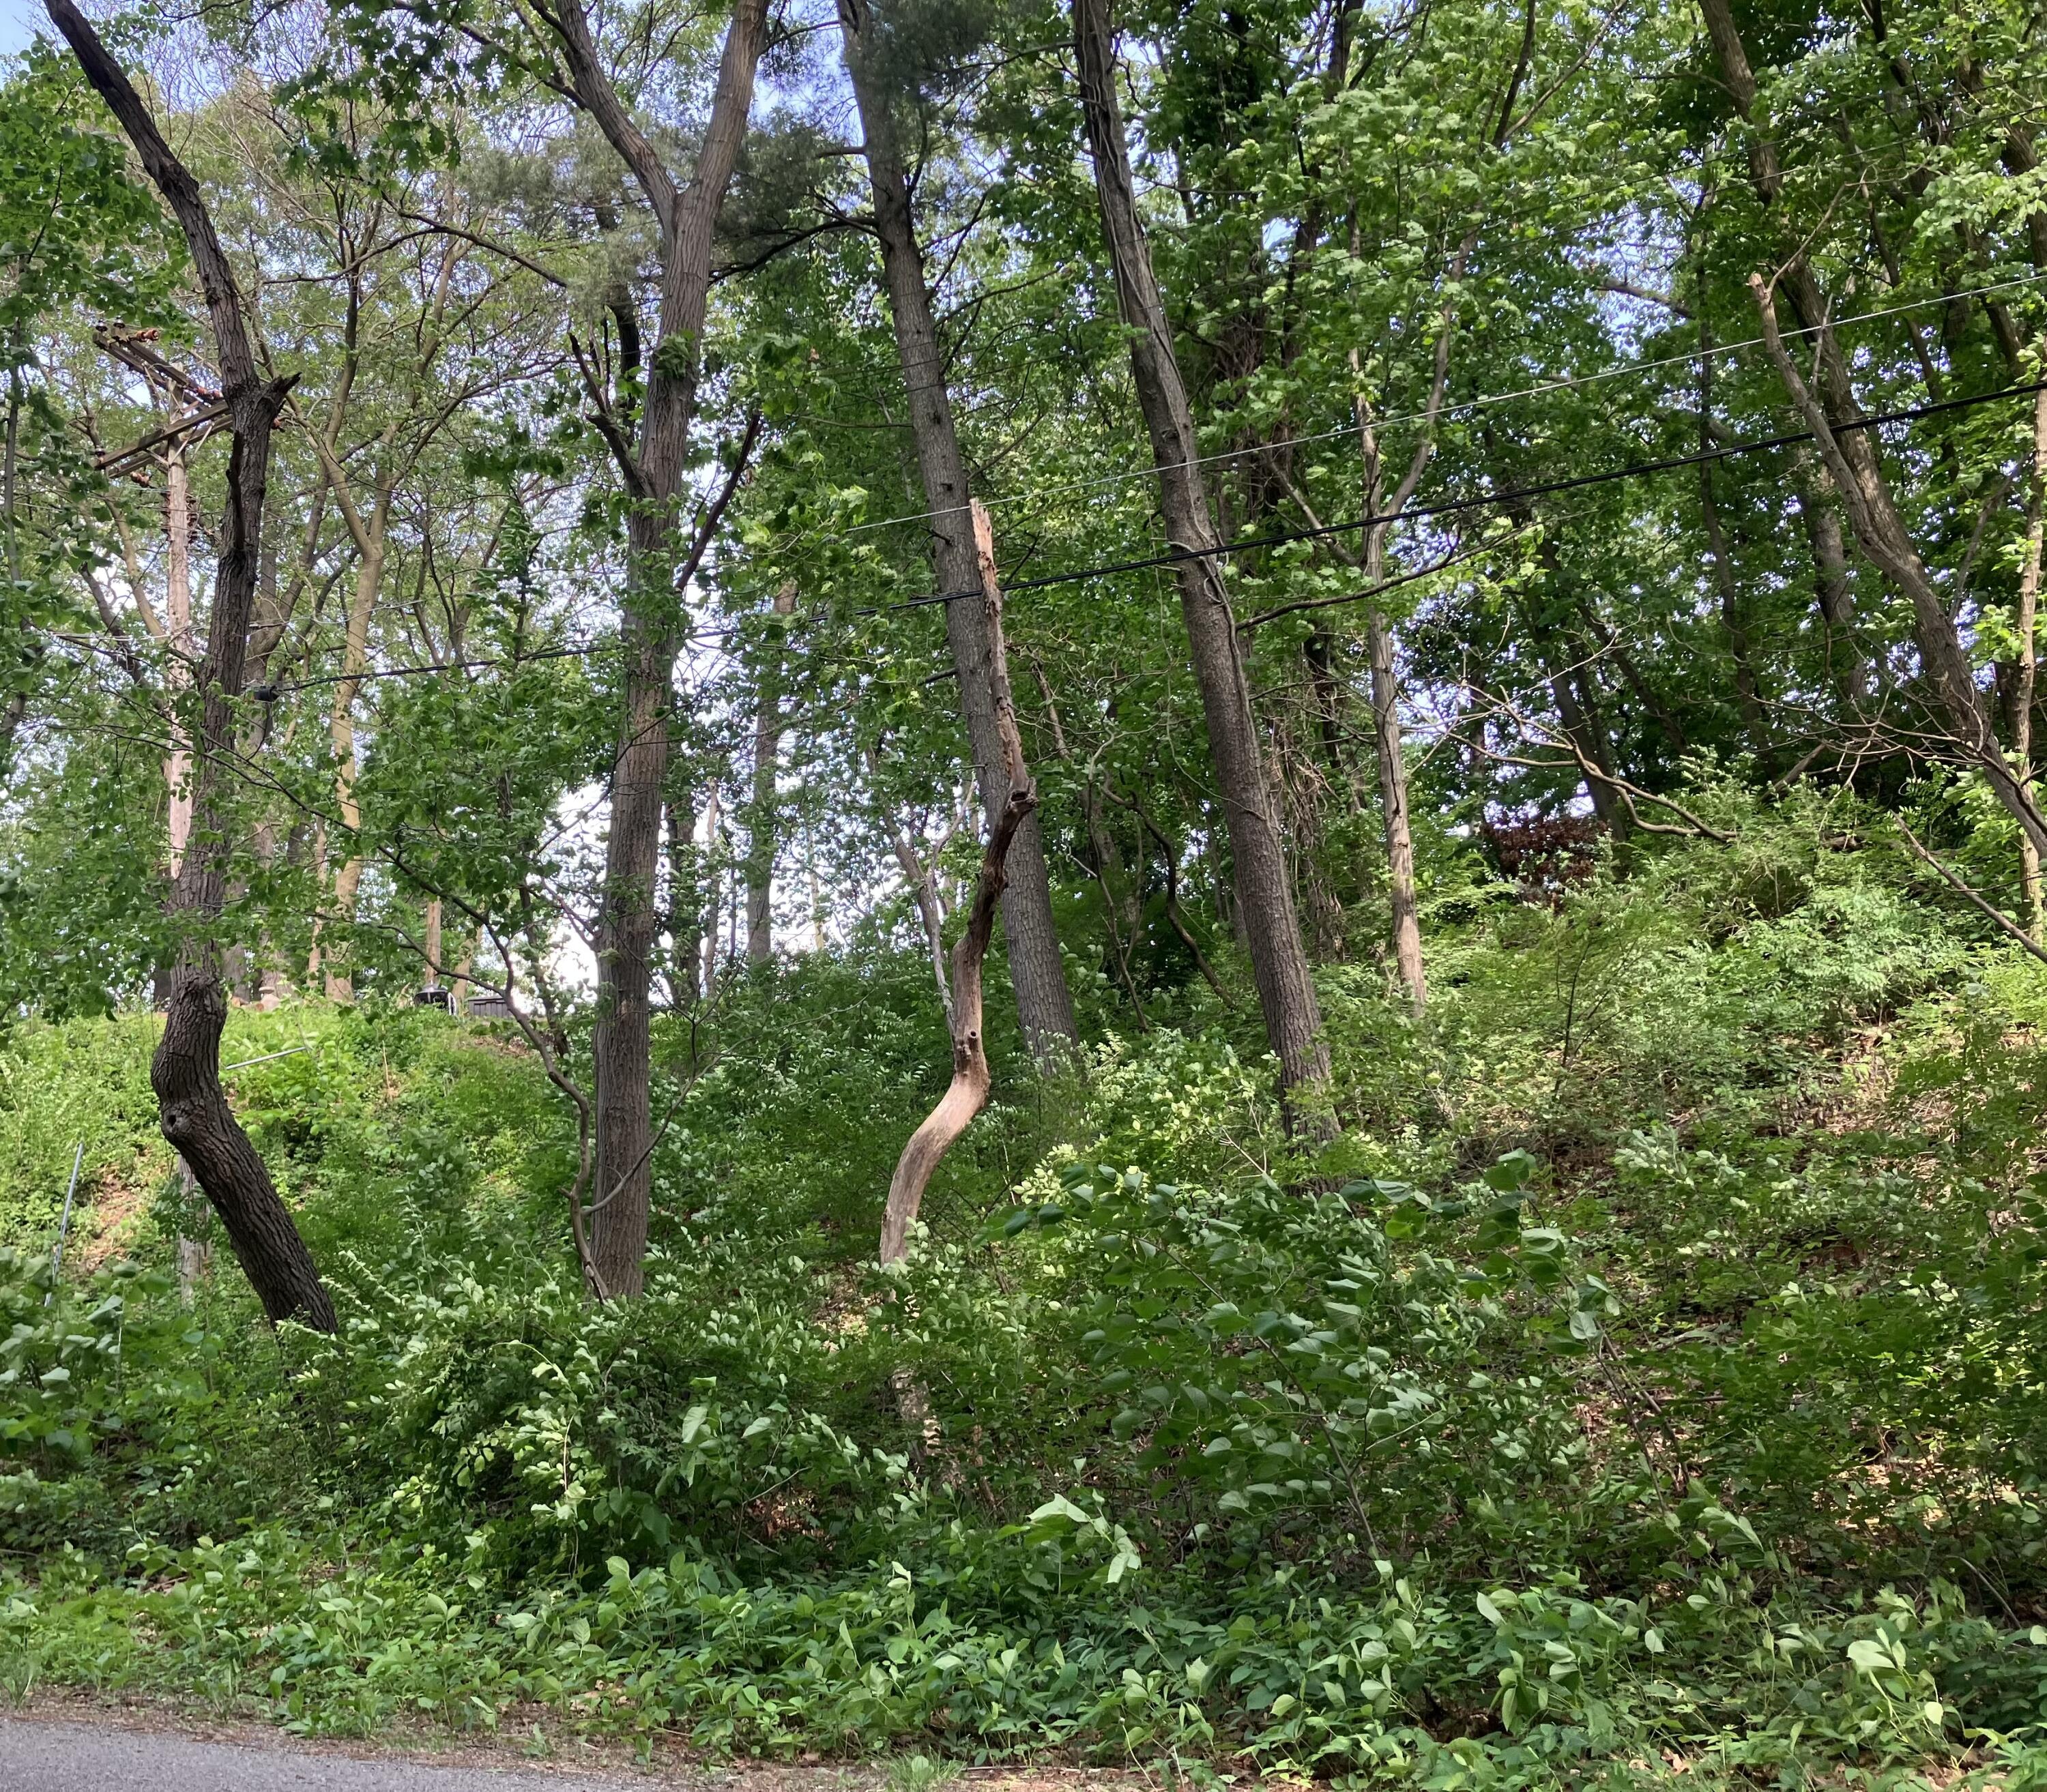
[1174,557]
[270,693]
[1517,494]
[1572,383]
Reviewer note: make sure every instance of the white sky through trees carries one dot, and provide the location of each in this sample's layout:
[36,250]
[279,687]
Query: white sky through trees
[18,19]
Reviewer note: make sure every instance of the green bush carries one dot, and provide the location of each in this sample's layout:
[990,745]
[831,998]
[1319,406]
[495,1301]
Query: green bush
[1654,1366]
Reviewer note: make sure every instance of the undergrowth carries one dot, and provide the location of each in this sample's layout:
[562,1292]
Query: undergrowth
[1649,1380]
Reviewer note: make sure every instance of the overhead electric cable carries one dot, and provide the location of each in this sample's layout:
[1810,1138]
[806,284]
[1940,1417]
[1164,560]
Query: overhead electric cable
[1449,507]
[1173,556]
[1571,383]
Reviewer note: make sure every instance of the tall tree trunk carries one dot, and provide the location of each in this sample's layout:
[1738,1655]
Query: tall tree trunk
[1390,748]
[316,956]
[371,534]
[2027,674]
[967,1093]
[762,825]
[1748,696]
[15,705]
[1044,1005]
[179,641]
[685,888]
[178,613]
[433,943]
[1393,798]
[185,1072]
[195,1255]
[1586,730]
[817,941]
[1122,905]
[1831,595]
[1831,412]
[1264,899]
[714,897]
[655,471]
[1406,917]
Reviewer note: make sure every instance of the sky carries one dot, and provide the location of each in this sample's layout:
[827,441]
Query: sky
[18,19]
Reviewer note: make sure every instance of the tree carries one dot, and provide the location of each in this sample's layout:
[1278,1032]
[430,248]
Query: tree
[185,1072]
[1044,1005]
[966,1093]
[1264,897]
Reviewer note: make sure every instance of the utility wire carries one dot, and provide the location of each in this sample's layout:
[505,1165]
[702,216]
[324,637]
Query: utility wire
[1449,507]
[1541,388]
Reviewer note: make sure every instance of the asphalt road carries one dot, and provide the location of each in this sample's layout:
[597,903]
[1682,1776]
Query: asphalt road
[41,1756]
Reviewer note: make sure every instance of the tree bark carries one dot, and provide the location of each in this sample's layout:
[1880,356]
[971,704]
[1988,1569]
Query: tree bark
[685,888]
[1264,899]
[371,534]
[1748,695]
[1881,533]
[1393,798]
[967,1093]
[762,825]
[1389,747]
[714,898]
[1176,917]
[922,881]
[1122,907]
[1586,731]
[2027,622]
[1831,594]
[1832,413]
[178,613]
[433,943]
[817,939]
[192,1105]
[655,471]
[1044,1004]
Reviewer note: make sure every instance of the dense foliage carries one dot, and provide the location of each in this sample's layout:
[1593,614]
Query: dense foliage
[1665,1383]
[1455,587]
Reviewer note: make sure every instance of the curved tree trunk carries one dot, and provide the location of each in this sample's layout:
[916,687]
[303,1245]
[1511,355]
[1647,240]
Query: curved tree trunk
[1044,1004]
[1264,895]
[192,1105]
[967,1093]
